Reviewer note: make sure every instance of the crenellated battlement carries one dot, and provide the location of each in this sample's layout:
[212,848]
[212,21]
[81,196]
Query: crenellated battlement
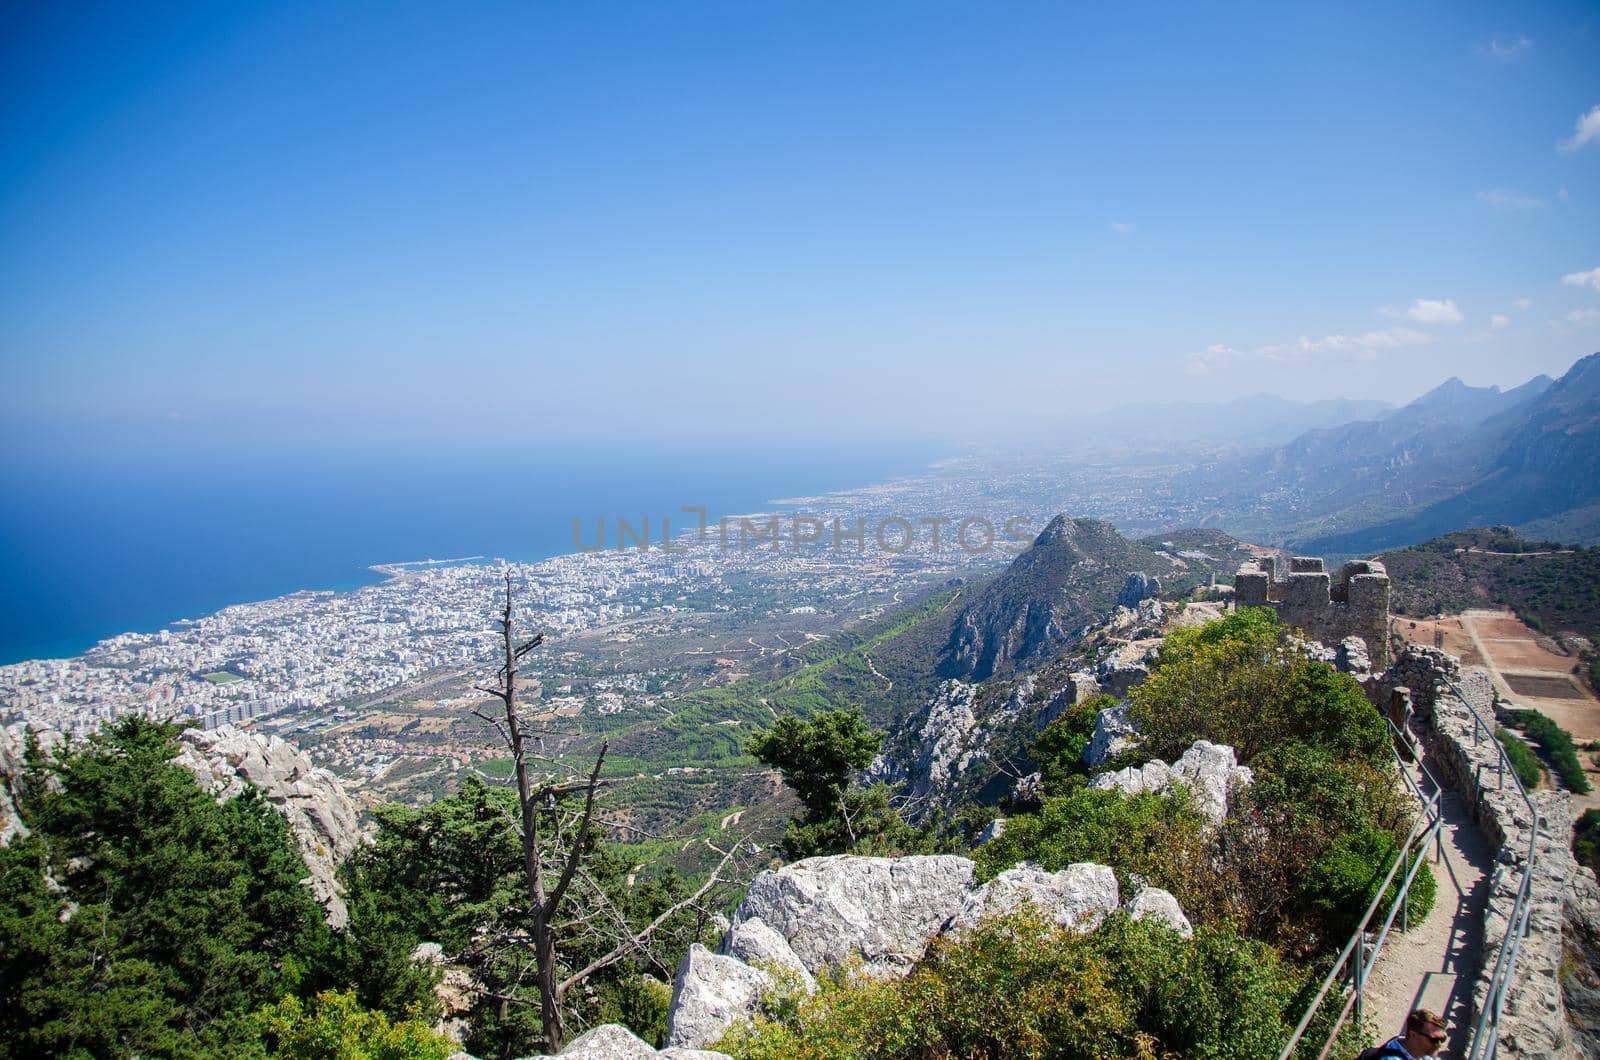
[1306,598]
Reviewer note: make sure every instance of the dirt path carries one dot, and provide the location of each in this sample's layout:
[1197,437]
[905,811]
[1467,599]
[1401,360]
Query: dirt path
[1435,963]
[875,673]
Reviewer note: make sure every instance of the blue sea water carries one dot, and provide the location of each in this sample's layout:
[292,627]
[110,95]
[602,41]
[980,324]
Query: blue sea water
[95,546]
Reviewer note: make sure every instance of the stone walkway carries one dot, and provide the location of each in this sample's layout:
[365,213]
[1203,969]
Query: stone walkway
[1435,964]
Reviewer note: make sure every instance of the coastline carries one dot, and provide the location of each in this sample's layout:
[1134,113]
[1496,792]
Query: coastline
[366,575]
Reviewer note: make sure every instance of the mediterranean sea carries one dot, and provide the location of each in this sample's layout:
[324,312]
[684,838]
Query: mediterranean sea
[93,547]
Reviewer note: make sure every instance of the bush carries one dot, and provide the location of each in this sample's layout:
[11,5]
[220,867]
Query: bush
[1523,761]
[335,1027]
[1159,837]
[1019,987]
[1235,681]
[1557,743]
[1343,882]
[1059,749]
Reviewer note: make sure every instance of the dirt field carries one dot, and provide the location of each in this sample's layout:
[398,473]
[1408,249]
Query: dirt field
[1456,640]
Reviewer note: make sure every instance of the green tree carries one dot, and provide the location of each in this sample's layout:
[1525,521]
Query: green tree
[818,756]
[142,916]
[452,873]
[1059,749]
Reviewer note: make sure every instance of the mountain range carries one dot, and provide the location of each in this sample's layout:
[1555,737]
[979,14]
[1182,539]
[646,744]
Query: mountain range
[1457,456]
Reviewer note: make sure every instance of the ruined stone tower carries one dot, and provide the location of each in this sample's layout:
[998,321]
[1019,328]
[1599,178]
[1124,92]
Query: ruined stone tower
[1357,607]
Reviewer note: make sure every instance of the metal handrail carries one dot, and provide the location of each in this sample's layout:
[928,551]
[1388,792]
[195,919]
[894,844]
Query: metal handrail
[1486,1031]
[1355,956]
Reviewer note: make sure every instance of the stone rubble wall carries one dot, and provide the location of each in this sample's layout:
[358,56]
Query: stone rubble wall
[1535,1020]
[1357,606]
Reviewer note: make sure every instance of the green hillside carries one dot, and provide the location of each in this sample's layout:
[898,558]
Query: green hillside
[1554,587]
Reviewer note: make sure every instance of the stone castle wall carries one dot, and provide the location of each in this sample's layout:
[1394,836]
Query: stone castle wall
[1306,598]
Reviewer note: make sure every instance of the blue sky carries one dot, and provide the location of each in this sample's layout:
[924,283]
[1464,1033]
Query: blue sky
[460,224]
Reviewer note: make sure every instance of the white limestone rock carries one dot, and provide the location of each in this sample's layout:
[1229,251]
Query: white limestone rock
[710,994]
[1081,686]
[1153,903]
[1208,770]
[1113,734]
[1151,778]
[884,909]
[992,831]
[325,822]
[755,943]
[612,1041]
[1213,774]
[1028,789]
[1078,897]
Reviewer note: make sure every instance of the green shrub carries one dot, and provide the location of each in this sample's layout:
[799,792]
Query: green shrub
[335,1027]
[1523,761]
[1343,882]
[1235,681]
[1019,987]
[1159,837]
[1586,839]
[1557,743]
[1059,749]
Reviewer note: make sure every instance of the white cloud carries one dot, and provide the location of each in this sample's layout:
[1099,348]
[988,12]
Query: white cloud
[1586,130]
[1212,357]
[1523,303]
[1507,48]
[1122,228]
[1584,316]
[1365,346]
[1506,199]
[1426,311]
[1583,279]
[1499,321]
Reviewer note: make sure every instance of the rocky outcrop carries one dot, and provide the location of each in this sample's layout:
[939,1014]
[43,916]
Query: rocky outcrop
[945,733]
[1209,771]
[325,822]
[1078,897]
[1138,587]
[880,912]
[1113,734]
[1081,686]
[883,909]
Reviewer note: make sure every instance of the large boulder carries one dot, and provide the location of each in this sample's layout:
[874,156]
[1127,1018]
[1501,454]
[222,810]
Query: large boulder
[710,994]
[1153,903]
[883,909]
[1078,897]
[325,822]
[755,943]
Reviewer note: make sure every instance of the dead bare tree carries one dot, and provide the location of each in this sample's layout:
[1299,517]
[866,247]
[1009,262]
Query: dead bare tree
[553,863]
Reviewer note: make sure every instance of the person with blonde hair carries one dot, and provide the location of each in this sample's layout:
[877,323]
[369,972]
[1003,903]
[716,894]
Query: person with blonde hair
[1424,1035]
